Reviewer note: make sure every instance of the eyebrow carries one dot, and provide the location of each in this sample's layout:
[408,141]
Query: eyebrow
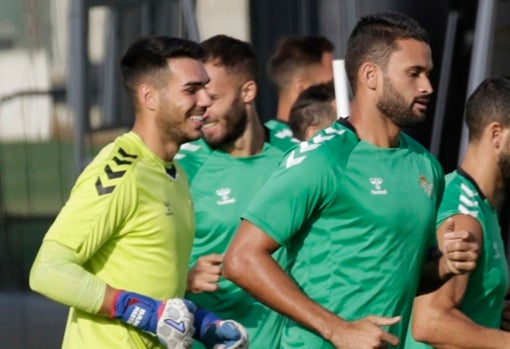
[196,83]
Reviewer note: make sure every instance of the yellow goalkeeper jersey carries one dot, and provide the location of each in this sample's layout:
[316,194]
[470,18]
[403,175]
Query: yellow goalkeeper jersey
[130,220]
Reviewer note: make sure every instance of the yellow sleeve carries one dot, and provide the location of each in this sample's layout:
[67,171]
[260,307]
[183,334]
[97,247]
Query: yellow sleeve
[57,275]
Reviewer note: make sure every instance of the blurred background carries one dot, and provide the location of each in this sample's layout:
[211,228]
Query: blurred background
[61,99]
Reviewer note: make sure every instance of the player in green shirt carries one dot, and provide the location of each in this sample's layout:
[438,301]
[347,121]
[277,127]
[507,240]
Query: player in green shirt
[117,253]
[314,110]
[225,169]
[298,62]
[466,311]
[354,206]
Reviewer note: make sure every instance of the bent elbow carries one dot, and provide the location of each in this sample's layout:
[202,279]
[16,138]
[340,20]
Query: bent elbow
[423,327]
[36,279]
[232,267]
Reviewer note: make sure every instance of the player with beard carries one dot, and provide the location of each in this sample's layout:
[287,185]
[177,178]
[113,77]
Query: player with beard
[466,311]
[225,169]
[117,254]
[298,62]
[355,206]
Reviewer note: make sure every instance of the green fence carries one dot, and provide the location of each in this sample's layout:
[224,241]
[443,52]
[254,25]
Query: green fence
[35,180]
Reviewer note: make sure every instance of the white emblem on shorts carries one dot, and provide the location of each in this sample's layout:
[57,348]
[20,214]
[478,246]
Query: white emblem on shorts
[377,183]
[224,194]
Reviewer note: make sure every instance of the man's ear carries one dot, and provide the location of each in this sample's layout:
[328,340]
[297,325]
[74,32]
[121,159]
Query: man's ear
[496,133]
[148,96]
[249,91]
[368,74]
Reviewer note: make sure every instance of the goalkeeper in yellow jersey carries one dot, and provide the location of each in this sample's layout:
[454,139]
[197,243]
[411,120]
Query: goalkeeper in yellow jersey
[117,253]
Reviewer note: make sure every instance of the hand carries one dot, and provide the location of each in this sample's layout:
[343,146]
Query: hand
[460,250]
[205,274]
[505,317]
[171,320]
[366,333]
[215,333]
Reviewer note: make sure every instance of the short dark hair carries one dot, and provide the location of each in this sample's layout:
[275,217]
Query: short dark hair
[295,52]
[147,57]
[374,38]
[234,55]
[312,107]
[488,103]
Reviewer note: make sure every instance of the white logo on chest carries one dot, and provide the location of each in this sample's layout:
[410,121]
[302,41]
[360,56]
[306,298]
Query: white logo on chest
[377,189]
[224,194]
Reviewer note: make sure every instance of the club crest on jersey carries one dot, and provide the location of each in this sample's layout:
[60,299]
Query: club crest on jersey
[224,194]
[377,189]
[426,186]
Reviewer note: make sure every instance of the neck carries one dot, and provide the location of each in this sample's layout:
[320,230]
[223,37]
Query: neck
[285,102]
[372,126]
[484,170]
[151,136]
[252,140]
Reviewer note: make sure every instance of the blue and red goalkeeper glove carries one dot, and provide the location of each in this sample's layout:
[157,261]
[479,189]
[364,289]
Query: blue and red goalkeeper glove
[171,320]
[215,333]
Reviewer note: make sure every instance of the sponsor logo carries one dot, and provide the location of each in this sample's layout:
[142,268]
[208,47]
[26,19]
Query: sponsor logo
[224,194]
[178,325]
[136,316]
[377,186]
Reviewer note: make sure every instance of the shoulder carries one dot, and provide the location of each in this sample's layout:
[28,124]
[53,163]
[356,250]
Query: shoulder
[193,150]
[415,146]
[112,166]
[192,155]
[332,145]
[280,135]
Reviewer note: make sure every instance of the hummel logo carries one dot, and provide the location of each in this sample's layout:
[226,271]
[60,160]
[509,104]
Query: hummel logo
[224,194]
[168,210]
[178,325]
[377,183]
[291,160]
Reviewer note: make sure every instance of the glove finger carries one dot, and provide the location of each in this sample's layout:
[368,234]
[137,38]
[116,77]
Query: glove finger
[228,331]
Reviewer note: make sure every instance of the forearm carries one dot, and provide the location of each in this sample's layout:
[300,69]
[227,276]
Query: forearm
[448,329]
[268,283]
[57,275]
[434,273]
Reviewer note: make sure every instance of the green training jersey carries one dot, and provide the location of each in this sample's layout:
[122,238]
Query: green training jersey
[131,224]
[355,219]
[221,187]
[486,289]
[280,135]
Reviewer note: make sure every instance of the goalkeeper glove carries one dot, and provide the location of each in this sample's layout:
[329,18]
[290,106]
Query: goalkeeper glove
[215,333]
[171,320]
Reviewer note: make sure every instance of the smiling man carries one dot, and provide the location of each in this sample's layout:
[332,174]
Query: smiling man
[117,254]
[225,169]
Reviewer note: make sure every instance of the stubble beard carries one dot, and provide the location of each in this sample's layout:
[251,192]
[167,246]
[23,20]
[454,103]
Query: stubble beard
[394,107]
[236,122]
